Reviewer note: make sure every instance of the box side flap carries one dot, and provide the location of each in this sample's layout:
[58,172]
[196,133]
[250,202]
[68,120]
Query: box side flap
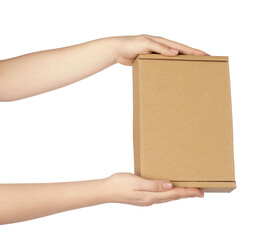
[208,186]
[136,118]
[184,57]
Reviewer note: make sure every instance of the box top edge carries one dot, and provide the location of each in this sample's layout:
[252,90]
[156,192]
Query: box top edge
[183,57]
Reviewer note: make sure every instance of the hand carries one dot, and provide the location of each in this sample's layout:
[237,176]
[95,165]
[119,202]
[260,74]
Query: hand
[130,46]
[131,189]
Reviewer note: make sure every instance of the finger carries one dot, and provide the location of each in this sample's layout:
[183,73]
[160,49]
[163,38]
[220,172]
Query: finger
[184,49]
[181,47]
[153,46]
[153,185]
[176,193]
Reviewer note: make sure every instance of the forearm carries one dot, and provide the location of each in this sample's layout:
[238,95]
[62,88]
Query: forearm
[43,71]
[20,202]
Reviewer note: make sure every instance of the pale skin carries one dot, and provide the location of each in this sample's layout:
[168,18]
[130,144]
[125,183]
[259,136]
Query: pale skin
[39,72]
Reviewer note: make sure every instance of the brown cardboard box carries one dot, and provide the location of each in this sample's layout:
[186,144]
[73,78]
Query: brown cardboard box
[183,121]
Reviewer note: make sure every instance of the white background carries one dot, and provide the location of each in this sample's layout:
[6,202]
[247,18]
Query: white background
[84,131]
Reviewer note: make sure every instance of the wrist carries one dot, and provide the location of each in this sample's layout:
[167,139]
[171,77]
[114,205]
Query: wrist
[111,192]
[114,44]
[106,190]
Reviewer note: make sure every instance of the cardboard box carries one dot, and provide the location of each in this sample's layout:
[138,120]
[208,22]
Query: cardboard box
[182,122]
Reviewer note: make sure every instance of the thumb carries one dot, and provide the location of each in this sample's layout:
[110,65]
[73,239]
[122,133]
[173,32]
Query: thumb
[155,185]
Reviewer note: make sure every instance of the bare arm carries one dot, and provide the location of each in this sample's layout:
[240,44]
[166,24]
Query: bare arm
[43,71]
[39,72]
[20,202]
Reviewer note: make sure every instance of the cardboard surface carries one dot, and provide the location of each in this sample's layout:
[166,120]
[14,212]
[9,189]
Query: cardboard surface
[182,123]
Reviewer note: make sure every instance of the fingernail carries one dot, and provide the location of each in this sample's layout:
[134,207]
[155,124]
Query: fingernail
[172,50]
[167,185]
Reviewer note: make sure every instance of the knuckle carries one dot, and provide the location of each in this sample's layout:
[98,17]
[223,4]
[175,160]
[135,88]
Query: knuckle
[149,200]
[180,193]
[159,37]
[187,193]
[143,35]
[137,184]
[166,48]
[144,41]
[157,185]
[147,41]
[154,187]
